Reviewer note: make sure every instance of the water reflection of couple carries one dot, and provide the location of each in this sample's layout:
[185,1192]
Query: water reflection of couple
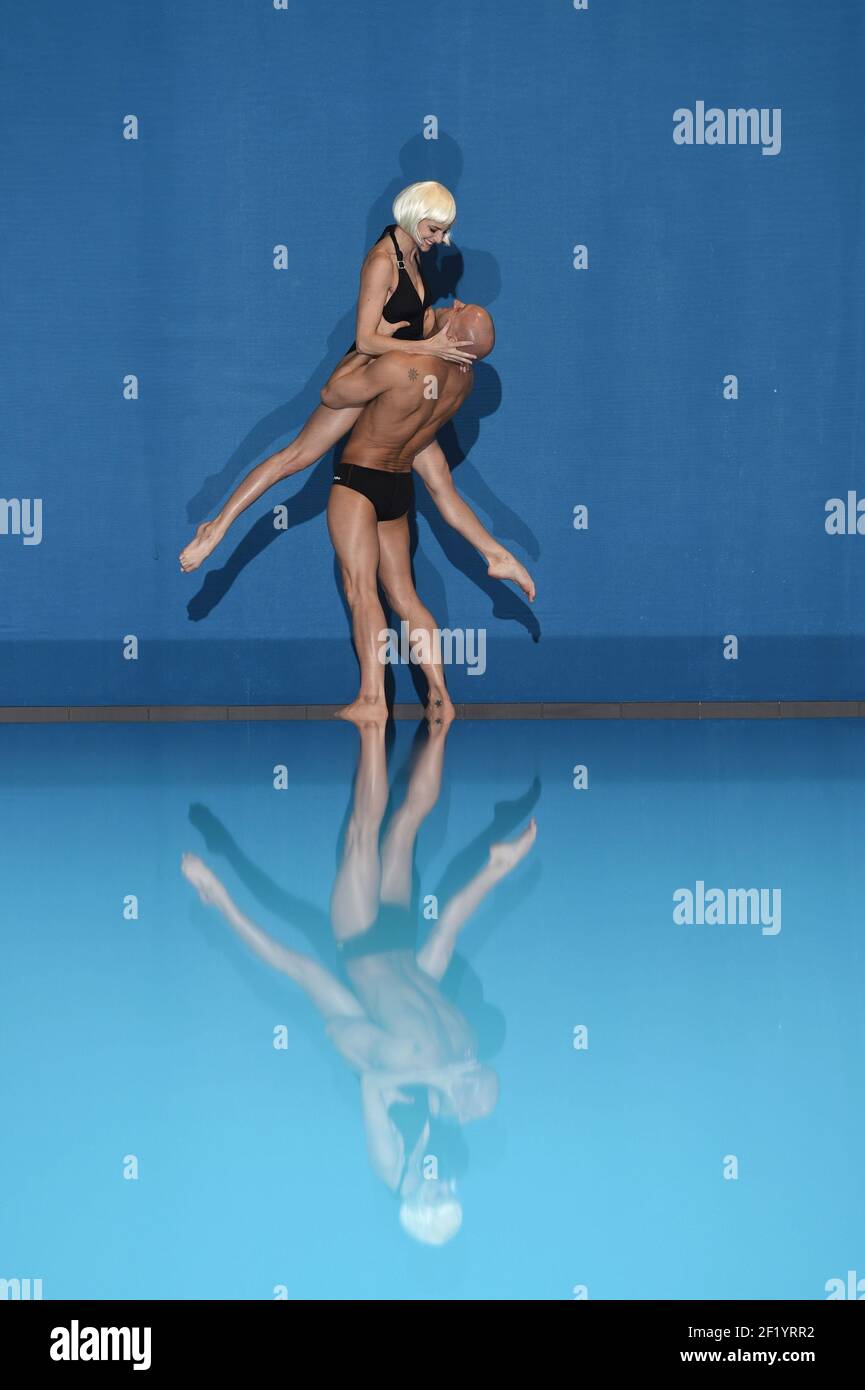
[415,1050]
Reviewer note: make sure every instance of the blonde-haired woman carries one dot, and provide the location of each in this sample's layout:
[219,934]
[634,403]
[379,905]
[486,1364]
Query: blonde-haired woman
[394,314]
[392,287]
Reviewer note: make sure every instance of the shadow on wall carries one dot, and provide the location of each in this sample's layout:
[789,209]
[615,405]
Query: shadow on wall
[419,159]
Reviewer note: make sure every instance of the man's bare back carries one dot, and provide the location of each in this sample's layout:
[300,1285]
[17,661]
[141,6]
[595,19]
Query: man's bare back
[422,393]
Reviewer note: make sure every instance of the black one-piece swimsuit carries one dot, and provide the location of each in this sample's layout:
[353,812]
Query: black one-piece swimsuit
[391,493]
[405,302]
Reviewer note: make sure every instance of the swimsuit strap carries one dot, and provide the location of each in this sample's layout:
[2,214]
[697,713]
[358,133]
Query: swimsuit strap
[399,257]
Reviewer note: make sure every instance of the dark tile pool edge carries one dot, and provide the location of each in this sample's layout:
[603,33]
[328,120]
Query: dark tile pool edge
[685,709]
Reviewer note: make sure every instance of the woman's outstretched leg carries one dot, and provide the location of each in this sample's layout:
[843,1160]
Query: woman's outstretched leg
[323,429]
[434,957]
[351,522]
[331,998]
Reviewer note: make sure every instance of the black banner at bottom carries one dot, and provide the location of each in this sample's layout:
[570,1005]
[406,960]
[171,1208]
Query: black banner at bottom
[156,1338]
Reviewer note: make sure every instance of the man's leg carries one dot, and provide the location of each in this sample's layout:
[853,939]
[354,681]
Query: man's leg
[394,571]
[423,792]
[351,522]
[355,897]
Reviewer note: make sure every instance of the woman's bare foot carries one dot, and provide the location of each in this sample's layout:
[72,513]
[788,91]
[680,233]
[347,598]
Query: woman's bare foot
[439,708]
[207,538]
[506,854]
[364,711]
[507,566]
[210,890]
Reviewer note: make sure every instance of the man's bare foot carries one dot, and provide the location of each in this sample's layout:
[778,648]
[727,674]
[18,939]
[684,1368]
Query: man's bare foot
[363,711]
[439,709]
[207,538]
[210,890]
[506,854]
[507,566]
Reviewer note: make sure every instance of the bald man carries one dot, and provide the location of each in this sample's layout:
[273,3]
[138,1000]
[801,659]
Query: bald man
[405,401]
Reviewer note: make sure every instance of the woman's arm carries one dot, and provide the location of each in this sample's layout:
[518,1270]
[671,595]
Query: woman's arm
[384,1142]
[375,281]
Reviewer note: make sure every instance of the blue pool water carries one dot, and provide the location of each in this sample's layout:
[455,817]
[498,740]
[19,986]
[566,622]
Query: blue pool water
[149,1039]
